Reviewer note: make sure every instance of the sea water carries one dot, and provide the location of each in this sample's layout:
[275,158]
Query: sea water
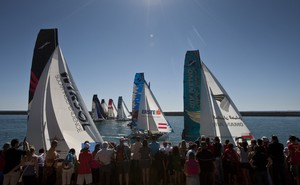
[14,126]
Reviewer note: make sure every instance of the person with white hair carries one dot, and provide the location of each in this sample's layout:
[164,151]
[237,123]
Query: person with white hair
[105,157]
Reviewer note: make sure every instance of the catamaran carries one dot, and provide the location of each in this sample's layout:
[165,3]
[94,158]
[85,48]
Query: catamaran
[97,113]
[208,109]
[123,112]
[112,110]
[56,110]
[147,116]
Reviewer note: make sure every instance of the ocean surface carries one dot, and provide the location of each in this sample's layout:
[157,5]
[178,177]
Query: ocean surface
[14,126]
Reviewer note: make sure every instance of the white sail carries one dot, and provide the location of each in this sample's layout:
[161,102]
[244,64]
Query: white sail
[104,107]
[123,112]
[150,116]
[112,110]
[58,111]
[219,115]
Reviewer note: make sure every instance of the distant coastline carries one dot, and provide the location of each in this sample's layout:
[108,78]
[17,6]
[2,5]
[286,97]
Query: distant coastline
[179,113]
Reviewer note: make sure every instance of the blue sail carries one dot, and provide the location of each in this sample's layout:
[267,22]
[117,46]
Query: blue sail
[138,85]
[192,89]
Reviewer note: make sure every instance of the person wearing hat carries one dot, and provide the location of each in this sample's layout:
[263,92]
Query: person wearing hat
[105,156]
[84,168]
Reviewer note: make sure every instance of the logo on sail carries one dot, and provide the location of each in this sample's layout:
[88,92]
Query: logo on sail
[152,112]
[74,101]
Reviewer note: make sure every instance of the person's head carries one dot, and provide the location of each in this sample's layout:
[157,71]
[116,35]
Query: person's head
[207,140]
[293,138]
[217,139]
[265,140]
[86,146]
[97,147]
[191,155]
[105,144]
[31,149]
[203,144]
[41,150]
[259,142]
[230,146]
[153,137]
[183,143]
[72,151]
[145,143]
[226,141]
[275,139]
[253,142]
[138,139]
[14,143]
[245,144]
[6,146]
[54,143]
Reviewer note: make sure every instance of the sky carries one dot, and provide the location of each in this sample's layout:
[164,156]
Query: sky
[252,47]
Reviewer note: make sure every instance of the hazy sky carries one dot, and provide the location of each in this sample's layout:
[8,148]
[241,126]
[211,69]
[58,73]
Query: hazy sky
[251,46]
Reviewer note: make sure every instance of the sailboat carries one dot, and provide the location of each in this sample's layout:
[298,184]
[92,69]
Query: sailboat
[208,109]
[97,113]
[123,112]
[112,110]
[104,107]
[56,110]
[148,118]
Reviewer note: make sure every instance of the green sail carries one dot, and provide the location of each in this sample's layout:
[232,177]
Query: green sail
[192,84]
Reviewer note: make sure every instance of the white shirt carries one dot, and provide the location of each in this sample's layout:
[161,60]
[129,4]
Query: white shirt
[104,155]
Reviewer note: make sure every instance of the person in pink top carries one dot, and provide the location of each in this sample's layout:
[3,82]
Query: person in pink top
[84,168]
[192,170]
